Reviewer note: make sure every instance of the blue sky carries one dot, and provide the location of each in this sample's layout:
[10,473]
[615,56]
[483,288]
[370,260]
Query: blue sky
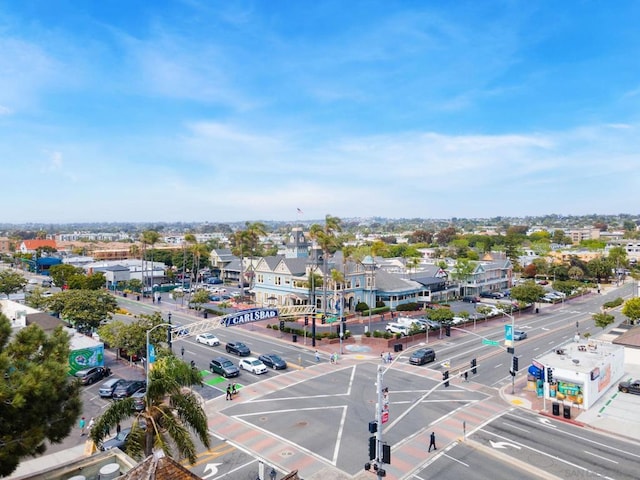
[222,111]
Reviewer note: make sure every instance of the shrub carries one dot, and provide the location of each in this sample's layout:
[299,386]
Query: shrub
[613,303]
[408,307]
[361,307]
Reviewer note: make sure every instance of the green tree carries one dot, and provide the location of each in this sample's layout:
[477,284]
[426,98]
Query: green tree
[134,284]
[462,271]
[631,309]
[442,315]
[528,292]
[148,237]
[132,337]
[199,298]
[63,272]
[599,268]
[36,299]
[84,309]
[11,282]
[575,273]
[171,413]
[246,243]
[618,257]
[325,237]
[603,320]
[39,403]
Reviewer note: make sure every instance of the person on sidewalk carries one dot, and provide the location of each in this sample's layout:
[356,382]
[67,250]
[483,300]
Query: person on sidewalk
[317,356]
[82,425]
[229,397]
[432,442]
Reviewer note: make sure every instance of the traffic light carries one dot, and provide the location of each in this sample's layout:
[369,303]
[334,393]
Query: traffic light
[515,364]
[169,337]
[324,319]
[372,448]
[447,330]
[281,325]
[386,453]
[373,427]
[474,370]
[445,377]
[306,321]
[549,375]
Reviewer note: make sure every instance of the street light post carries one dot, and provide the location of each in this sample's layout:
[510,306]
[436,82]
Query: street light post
[513,352]
[148,361]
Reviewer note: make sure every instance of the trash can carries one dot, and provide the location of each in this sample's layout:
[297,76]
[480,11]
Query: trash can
[206,314]
[294,338]
[537,310]
[556,408]
[567,411]
[397,347]
[138,297]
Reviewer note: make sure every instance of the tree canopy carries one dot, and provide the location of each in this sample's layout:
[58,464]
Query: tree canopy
[11,282]
[83,308]
[631,309]
[39,402]
[528,292]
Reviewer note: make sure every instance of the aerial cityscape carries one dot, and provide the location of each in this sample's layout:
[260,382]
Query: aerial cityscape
[319,240]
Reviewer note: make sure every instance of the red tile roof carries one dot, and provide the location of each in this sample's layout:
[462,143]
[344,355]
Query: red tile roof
[35,244]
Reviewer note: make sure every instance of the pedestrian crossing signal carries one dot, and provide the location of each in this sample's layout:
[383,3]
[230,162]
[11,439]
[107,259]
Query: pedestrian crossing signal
[445,377]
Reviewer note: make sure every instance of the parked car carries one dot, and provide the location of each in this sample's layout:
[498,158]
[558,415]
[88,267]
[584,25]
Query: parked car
[632,386]
[519,335]
[138,399]
[223,366]
[131,356]
[92,375]
[214,281]
[397,328]
[432,323]
[116,442]
[107,388]
[127,388]
[422,356]
[215,298]
[252,365]
[238,348]
[470,299]
[208,339]
[274,361]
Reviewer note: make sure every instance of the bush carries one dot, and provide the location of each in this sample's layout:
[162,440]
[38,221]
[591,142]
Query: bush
[408,307]
[380,304]
[613,303]
[361,307]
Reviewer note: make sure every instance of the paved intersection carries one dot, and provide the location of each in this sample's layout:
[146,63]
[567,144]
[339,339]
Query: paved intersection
[315,420]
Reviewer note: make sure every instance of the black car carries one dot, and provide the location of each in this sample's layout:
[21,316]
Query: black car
[127,388]
[238,348]
[470,299]
[92,375]
[224,366]
[422,356]
[632,386]
[274,361]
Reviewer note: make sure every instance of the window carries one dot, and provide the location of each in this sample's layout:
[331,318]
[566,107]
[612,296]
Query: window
[278,280]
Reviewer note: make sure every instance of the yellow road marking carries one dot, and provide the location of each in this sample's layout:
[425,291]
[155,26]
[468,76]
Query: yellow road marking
[210,454]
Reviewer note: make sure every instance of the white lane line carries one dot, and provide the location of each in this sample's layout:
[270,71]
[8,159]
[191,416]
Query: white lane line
[517,428]
[455,460]
[600,457]
[336,450]
[499,365]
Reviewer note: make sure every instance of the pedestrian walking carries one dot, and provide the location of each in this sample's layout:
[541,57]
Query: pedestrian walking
[317,356]
[182,351]
[92,422]
[118,428]
[466,376]
[82,425]
[389,357]
[432,442]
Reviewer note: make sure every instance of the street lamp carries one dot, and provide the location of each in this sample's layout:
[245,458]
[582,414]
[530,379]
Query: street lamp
[380,391]
[146,364]
[513,352]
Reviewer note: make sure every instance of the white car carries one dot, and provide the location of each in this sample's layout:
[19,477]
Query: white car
[208,339]
[252,365]
[397,328]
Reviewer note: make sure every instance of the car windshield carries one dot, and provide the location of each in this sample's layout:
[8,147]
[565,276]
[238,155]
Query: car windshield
[227,363]
[255,362]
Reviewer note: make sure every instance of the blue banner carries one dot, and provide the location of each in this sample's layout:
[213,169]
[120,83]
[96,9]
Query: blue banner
[252,315]
[151,354]
[508,333]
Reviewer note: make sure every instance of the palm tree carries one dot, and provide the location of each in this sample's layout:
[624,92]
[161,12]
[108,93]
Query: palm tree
[170,415]
[325,237]
[247,242]
[148,237]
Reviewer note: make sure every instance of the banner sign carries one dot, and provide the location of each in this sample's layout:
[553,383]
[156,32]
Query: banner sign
[249,316]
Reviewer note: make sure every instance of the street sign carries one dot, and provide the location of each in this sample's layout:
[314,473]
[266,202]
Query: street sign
[384,418]
[331,318]
[508,333]
[493,343]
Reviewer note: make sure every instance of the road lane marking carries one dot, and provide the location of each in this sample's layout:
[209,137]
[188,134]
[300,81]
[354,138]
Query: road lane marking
[455,460]
[517,428]
[600,457]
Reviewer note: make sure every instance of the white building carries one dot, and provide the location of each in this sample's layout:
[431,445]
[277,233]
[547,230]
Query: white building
[582,371]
